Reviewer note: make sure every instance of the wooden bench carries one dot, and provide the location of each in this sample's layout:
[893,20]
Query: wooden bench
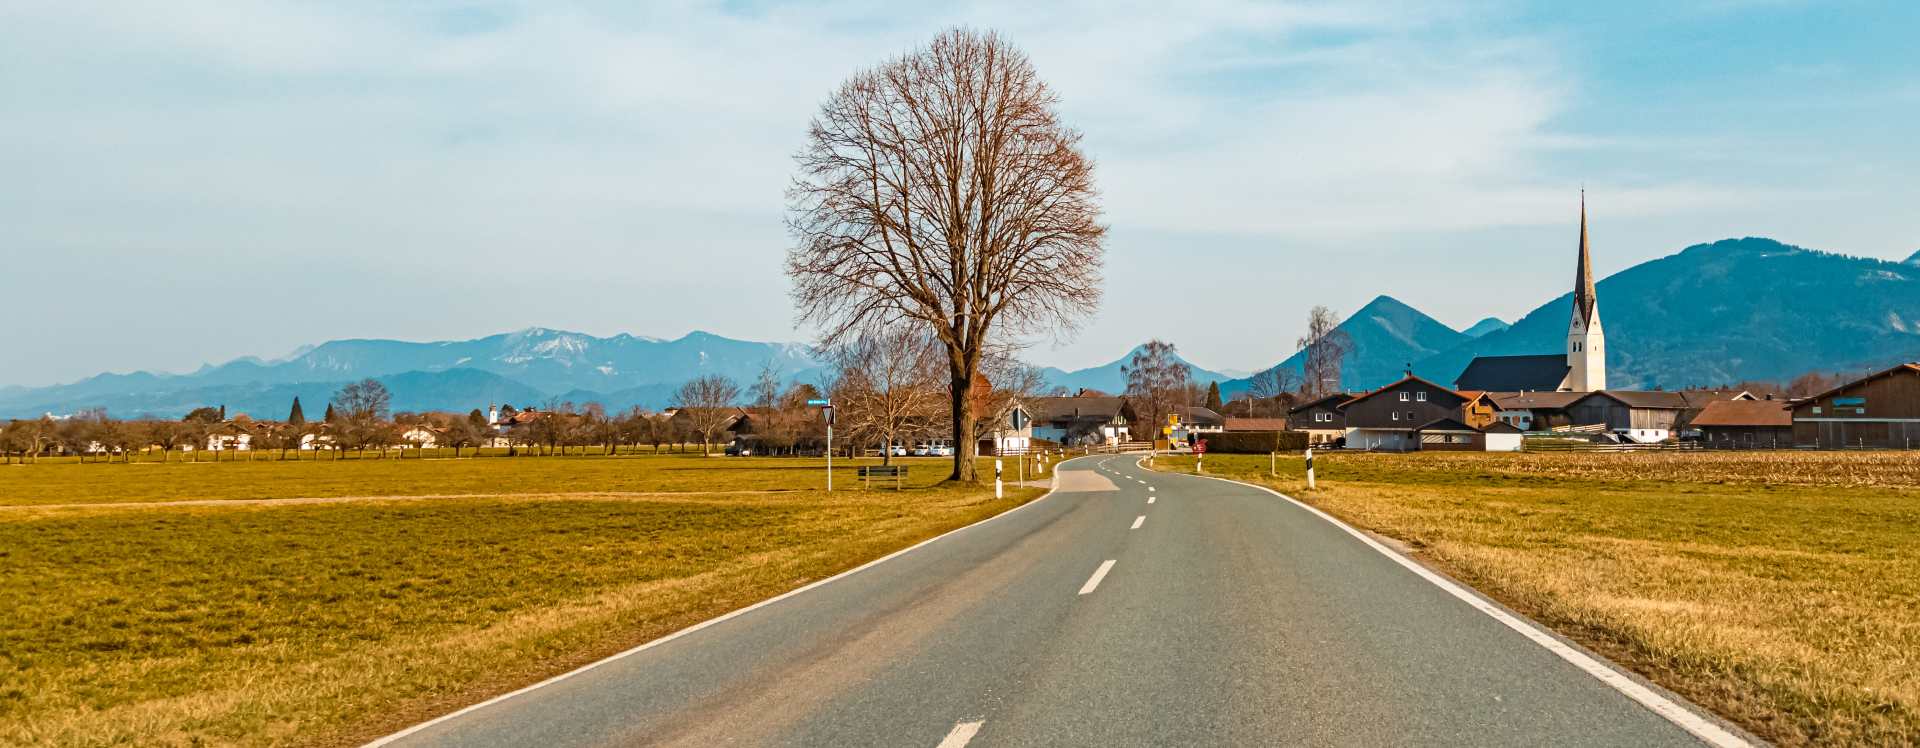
[896,472]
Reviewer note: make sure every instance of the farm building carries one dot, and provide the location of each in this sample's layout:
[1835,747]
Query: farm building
[1637,416]
[1745,424]
[1879,410]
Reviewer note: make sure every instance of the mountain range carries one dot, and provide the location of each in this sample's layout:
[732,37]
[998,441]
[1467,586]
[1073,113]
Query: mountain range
[1716,313]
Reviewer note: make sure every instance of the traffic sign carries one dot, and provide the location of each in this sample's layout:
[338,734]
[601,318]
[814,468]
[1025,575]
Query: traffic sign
[1200,446]
[817,403]
[1019,418]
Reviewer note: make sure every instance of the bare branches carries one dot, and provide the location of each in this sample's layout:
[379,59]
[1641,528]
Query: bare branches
[941,188]
[708,401]
[1326,346]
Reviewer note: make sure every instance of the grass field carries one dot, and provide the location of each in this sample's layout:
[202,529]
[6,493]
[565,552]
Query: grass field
[1780,590]
[331,623]
[73,483]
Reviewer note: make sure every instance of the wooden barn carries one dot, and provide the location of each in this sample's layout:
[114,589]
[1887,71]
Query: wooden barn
[1881,410]
[1745,424]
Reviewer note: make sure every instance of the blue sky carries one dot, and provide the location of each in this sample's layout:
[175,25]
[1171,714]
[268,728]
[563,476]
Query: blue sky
[195,181]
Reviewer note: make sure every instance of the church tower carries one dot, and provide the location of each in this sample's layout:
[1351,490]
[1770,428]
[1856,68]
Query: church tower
[1586,342]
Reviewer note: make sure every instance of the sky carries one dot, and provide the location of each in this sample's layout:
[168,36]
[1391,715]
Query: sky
[189,182]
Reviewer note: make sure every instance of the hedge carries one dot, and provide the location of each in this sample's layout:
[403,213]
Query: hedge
[1255,442]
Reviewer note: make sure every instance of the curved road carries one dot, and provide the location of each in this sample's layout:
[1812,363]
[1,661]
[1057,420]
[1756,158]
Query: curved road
[1127,608]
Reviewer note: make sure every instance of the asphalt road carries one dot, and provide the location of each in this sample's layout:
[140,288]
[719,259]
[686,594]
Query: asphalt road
[1127,608]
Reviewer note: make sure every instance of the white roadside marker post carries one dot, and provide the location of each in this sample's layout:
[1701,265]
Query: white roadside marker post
[1309,469]
[997,490]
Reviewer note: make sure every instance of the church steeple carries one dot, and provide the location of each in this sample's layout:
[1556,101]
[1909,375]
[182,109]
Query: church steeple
[1585,301]
[1586,361]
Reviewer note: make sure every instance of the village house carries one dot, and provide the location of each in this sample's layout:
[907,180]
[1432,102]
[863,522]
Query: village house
[1321,418]
[1389,419]
[1533,411]
[1004,438]
[1879,410]
[1076,421]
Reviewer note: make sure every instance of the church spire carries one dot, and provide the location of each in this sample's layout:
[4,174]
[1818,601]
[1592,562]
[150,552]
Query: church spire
[1584,297]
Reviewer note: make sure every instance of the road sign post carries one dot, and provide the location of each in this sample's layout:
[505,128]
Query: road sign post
[1199,455]
[998,492]
[1309,469]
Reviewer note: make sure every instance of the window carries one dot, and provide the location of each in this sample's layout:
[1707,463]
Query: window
[1396,415]
[1576,346]
[1403,397]
[1422,397]
[1816,410]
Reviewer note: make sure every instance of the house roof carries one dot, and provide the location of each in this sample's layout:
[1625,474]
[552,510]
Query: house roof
[1910,368]
[1058,408]
[1502,427]
[1745,413]
[1256,424]
[1700,398]
[1403,380]
[1534,400]
[1197,414]
[1645,399]
[1337,398]
[1543,373]
[1447,424]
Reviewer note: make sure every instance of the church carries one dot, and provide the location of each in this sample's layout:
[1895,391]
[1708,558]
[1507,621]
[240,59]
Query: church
[1581,368]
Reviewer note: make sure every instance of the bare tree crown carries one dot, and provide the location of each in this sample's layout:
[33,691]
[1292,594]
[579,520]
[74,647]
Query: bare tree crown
[941,187]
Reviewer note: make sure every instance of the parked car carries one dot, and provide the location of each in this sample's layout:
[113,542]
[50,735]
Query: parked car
[739,449]
[898,450]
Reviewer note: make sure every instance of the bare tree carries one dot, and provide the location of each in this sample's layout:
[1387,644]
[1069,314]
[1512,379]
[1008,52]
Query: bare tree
[362,410]
[1158,383]
[888,385]
[942,187]
[708,402]
[1326,346]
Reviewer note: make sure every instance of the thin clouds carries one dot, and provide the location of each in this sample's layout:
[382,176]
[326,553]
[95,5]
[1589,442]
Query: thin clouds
[504,147]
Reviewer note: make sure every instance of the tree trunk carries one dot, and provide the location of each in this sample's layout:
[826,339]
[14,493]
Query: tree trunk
[962,424]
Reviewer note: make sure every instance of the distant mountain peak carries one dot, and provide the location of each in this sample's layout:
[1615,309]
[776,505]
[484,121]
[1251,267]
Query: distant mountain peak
[1915,259]
[1384,301]
[1485,327]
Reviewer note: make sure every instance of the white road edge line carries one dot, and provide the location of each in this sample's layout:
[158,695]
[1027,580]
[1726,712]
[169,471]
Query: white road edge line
[703,624]
[961,735]
[1138,521]
[1686,719]
[1098,574]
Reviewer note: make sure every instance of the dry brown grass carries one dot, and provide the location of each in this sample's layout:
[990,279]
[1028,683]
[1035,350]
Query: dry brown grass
[1760,468]
[1790,607]
[271,624]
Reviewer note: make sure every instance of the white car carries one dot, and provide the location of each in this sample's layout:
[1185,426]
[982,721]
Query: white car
[922,450]
[898,450]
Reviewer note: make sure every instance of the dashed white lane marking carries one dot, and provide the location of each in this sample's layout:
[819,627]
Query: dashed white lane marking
[1150,489]
[1141,481]
[961,735]
[1098,574]
[1150,499]
[1137,521]
[1706,730]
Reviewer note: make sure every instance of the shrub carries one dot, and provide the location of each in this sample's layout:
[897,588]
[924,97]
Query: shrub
[1255,442]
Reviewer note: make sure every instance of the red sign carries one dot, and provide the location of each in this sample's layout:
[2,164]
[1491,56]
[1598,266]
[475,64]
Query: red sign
[1200,446]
